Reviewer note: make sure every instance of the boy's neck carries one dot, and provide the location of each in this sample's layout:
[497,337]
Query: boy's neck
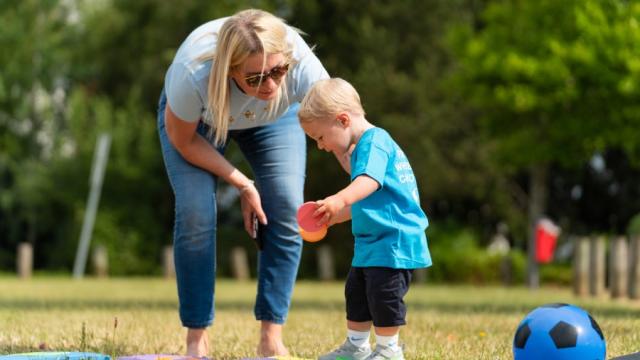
[358,127]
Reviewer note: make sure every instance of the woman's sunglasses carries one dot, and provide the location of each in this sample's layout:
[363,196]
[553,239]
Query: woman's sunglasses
[276,73]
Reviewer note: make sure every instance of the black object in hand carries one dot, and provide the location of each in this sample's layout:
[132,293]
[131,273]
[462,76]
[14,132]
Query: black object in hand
[257,230]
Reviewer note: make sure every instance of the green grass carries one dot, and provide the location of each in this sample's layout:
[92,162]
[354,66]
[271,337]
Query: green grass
[444,322]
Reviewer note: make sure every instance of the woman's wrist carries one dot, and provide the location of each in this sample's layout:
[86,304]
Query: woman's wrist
[247,185]
[239,180]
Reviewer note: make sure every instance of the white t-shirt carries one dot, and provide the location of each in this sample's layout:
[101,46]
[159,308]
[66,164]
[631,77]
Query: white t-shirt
[186,82]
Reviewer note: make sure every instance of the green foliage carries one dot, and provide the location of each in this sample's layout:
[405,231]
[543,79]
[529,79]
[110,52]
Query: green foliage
[130,44]
[559,274]
[129,179]
[51,115]
[634,226]
[553,84]
[535,82]
[555,80]
[34,33]
[399,63]
[457,257]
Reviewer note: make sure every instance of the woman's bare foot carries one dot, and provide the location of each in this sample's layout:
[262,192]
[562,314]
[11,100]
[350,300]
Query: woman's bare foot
[197,342]
[271,340]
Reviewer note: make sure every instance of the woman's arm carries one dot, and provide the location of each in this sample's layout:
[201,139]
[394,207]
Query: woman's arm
[198,151]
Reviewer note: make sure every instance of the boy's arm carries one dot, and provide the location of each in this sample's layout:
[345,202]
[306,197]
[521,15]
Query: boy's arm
[342,216]
[361,187]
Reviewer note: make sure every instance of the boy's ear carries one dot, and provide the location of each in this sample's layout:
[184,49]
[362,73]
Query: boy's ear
[344,119]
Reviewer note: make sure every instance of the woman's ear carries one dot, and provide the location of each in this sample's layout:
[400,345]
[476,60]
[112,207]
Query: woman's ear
[232,72]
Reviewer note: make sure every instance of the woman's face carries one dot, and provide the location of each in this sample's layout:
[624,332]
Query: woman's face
[260,82]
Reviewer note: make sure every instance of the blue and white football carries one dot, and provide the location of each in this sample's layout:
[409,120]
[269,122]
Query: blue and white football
[559,332]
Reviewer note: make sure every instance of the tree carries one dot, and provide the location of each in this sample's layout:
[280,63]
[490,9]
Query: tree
[70,70]
[555,82]
[34,63]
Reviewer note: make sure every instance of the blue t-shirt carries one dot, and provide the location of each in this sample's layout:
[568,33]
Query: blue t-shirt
[187,80]
[388,225]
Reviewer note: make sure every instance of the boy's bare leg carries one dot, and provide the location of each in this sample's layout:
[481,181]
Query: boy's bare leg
[387,331]
[359,326]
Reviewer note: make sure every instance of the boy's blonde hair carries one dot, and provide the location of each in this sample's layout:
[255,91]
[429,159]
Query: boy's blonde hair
[246,33]
[327,98]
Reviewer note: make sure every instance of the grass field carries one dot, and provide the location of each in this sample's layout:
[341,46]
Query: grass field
[444,322]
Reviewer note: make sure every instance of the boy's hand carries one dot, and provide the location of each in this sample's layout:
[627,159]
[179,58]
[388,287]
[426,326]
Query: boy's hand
[329,208]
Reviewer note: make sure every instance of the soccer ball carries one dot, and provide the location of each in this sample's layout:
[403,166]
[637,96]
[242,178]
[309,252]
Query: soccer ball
[559,332]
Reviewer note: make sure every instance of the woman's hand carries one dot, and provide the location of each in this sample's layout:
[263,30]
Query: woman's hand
[251,207]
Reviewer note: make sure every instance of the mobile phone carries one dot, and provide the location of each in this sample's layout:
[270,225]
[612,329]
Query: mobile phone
[257,230]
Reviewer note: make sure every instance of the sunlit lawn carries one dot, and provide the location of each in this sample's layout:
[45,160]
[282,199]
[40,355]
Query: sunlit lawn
[445,322]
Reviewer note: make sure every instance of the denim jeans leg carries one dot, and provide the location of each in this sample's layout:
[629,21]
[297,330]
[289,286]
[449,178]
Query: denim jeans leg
[277,155]
[194,241]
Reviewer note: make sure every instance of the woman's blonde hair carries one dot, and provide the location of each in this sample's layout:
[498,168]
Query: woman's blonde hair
[329,97]
[246,33]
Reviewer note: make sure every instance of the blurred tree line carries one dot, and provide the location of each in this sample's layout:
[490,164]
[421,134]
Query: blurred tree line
[507,110]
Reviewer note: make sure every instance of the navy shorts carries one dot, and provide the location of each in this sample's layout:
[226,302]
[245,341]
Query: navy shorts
[376,294]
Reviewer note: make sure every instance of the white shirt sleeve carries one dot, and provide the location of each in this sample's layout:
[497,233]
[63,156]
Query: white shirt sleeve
[182,94]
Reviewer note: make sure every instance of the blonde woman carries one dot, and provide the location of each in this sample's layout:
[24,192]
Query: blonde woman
[238,78]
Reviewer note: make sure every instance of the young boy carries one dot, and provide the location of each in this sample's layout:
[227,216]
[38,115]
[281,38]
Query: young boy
[387,221]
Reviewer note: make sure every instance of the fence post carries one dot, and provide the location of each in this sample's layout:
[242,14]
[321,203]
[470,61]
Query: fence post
[634,281]
[597,269]
[506,269]
[100,158]
[168,266]
[619,267]
[239,263]
[100,260]
[581,267]
[325,263]
[25,260]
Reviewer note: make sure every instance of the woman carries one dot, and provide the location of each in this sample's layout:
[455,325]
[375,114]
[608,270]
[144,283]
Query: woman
[238,78]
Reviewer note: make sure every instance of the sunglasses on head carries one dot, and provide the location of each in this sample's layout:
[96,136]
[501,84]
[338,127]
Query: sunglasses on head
[276,73]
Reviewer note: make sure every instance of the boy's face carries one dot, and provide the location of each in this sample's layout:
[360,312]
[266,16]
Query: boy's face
[330,135]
